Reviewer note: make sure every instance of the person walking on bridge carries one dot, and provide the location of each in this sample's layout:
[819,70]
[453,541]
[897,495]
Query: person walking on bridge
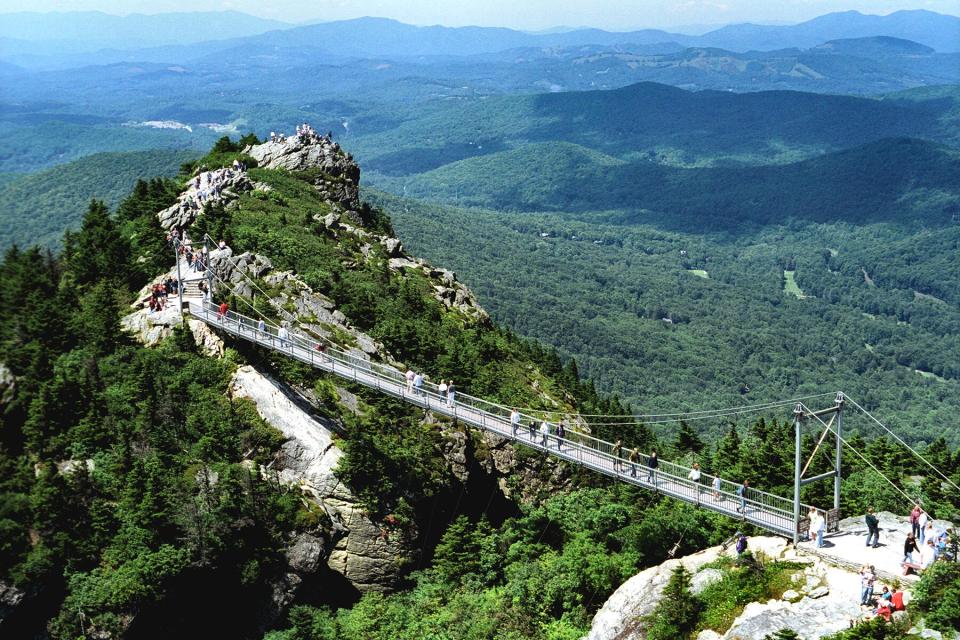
[409,376]
[634,461]
[873,528]
[617,452]
[418,383]
[222,310]
[442,390]
[283,334]
[261,326]
[742,494]
[561,434]
[515,421]
[694,477]
[544,432]
[652,464]
[716,487]
[451,394]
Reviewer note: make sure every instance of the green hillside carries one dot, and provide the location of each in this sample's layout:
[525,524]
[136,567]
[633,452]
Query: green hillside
[903,180]
[38,208]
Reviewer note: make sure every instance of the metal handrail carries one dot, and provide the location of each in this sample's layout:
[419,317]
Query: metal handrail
[764,509]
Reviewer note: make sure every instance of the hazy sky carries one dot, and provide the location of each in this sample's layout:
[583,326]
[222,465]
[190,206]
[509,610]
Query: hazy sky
[521,14]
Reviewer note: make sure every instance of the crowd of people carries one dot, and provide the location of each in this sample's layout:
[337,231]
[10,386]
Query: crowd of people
[305,135]
[157,300]
[208,185]
[447,390]
[881,604]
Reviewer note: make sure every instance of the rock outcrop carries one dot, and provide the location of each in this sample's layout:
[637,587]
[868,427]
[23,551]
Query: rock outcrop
[8,384]
[336,176]
[362,550]
[825,599]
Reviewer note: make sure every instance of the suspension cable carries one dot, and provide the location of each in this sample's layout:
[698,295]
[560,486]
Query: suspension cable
[862,457]
[900,440]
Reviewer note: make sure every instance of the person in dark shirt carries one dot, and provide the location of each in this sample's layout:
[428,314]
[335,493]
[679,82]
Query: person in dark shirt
[873,528]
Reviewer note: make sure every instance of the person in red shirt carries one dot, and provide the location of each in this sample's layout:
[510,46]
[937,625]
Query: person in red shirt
[224,307]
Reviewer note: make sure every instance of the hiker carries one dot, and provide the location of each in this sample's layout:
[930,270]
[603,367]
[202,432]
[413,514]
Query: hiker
[867,577]
[927,533]
[742,494]
[514,420]
[817,526]
[409,376]
[451,394]
[617,452]
[282,333]
[634,460]
[909,546]
[716,487]
[694,477]
[544,432]
[418,383]
[222,310]
[741,545]
[262,326]
[873,528]
[561,434]
[915,520]
[442,390]
[532,427]
[652,464]
[922,525]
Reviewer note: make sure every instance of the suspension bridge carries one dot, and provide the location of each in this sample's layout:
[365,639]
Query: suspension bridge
[776,514]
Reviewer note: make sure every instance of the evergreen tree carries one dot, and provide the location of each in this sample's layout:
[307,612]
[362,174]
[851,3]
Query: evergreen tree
[678,611]
[688,441]
[98,251]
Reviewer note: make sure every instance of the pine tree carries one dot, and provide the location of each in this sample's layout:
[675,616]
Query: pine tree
[678,611]
[782,634]
[687,440]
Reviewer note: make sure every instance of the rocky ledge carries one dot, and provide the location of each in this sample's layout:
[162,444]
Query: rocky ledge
[825,599]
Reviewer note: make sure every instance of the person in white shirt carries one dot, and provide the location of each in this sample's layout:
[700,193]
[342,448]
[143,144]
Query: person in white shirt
[515,421]
[283,334]
[544,432]
[442,390]
[694,477]
[410,375]
[418,383]
[927,554]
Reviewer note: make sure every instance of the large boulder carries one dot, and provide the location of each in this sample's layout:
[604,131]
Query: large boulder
[8,384]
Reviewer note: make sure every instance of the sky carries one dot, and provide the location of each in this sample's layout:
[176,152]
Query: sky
[517,14]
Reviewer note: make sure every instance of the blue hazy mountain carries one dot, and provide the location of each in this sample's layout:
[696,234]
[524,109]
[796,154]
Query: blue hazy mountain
[59,37]
[76,31]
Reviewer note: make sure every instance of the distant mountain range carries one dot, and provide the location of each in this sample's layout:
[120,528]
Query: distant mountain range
[86,31]
[33,39]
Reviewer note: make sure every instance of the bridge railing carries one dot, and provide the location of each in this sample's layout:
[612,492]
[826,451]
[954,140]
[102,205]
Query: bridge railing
[766,509]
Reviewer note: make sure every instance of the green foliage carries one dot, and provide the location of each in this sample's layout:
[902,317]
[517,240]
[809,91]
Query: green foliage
[675,616]
[937,596]
[782,634]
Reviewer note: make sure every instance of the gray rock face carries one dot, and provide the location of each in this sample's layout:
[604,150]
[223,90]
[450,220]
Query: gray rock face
[338,179]
[8,384]
[306,554]
[703,579]
[10,598]
[365,552]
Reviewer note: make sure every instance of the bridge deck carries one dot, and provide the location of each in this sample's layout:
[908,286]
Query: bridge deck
[765,510]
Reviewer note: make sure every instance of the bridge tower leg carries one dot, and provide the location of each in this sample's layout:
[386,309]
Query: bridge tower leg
[176,256]
[797,423]
[838,454]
